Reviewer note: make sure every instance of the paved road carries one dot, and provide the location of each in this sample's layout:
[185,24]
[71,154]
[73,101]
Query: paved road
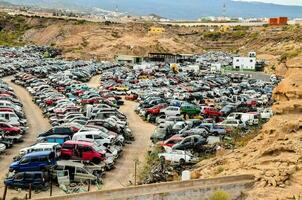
[142,131]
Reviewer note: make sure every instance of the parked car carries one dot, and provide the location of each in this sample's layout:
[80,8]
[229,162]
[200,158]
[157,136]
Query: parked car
[194,142]
[41,160]
[79,150]
[33,179]
[178,156]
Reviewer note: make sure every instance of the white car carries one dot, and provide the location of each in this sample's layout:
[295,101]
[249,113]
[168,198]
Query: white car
[177,156]
[2,147]
[230,123]
[171,111]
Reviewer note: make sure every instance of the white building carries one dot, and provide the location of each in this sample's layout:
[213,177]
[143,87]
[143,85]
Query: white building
[244,63]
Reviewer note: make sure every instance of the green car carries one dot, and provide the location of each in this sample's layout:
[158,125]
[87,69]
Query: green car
[190,109]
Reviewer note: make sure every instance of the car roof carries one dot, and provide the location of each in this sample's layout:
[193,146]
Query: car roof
[69,163]
[45,144]
[78,142]
[57,136]
[38,153]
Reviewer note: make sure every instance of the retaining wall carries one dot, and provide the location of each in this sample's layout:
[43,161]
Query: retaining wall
[200,189]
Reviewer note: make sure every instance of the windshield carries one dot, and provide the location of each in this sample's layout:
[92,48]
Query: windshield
[97,148]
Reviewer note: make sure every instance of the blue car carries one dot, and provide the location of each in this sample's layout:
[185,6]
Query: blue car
[36,161]
[60,139]
[37,180]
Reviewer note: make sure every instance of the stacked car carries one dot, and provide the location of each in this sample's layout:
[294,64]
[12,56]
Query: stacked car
[13,124]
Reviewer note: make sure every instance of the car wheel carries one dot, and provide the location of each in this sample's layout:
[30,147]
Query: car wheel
[182,161]
[96,161]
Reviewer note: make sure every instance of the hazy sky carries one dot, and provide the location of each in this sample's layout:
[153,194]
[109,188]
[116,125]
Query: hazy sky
[285,2]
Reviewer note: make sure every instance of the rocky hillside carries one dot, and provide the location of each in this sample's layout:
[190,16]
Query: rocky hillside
[87,40]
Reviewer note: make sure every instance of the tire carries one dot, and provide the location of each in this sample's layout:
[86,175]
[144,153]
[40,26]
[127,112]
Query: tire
[182,162]
[96,161]
[162,159]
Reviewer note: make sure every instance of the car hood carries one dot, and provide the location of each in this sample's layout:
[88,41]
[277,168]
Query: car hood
[13,164]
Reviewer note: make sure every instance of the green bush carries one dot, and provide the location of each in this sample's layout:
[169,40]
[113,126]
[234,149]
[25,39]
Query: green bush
[212,35]
[220,195]
[290,54]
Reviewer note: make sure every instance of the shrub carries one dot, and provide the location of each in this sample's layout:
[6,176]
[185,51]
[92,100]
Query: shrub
[220,195]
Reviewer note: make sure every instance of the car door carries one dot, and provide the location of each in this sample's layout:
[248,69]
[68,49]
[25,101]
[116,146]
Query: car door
[25,164]
[82,174]
[185,144]
[18,181]
[87,153]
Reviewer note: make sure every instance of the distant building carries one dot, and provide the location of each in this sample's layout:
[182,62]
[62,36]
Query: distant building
[170,58]
[244,63]
[156,30]
[128,59]
[279,21]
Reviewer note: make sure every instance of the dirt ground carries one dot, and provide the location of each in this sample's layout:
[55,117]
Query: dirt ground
[142,131]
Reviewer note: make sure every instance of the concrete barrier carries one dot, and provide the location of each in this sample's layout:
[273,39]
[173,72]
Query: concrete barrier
[183,190]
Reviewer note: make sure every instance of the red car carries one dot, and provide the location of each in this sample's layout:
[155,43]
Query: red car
[131,97]
[211,112]
[9,129]
[155,110]
[92,100]
[82,151]
[171,141]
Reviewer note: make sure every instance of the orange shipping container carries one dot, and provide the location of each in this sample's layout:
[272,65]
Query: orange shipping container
[273,21]
[282,20]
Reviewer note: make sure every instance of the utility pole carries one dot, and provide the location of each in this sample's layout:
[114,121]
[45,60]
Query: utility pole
[224,10]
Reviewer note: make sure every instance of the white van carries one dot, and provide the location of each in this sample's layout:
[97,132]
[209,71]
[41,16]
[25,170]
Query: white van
[246,118]
[53,147]
[10,117]
[93,136]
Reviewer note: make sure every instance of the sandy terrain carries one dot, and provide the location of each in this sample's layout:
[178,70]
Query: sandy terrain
[275,155]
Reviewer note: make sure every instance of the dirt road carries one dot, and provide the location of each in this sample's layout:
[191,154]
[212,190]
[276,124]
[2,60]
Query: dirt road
[142,131]
[36,122]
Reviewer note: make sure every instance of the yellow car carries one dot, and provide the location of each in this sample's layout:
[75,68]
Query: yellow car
[121,88]
[143,77]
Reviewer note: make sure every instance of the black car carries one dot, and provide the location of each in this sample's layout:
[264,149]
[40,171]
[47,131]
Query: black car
[194,142]
[37,180]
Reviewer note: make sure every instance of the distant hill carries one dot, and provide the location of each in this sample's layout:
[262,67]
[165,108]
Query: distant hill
[177,9]
[4,3]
